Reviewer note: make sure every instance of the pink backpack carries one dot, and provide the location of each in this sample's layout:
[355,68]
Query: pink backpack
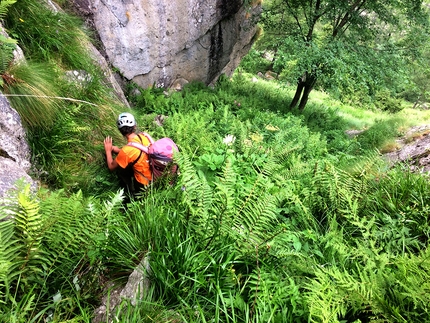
[160,154]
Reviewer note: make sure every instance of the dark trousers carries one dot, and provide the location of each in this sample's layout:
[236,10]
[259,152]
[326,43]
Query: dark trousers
[129,183]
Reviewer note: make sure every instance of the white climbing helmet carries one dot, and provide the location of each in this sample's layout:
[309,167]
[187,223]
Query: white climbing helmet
[125,120]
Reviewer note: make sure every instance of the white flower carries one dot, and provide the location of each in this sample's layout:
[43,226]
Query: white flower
[229,140]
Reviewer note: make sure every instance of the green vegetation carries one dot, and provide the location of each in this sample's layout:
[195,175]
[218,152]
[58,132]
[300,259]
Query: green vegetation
[356,50]
[277,216]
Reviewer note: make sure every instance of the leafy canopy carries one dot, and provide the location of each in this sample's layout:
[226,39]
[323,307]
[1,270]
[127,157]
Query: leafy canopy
[358,46]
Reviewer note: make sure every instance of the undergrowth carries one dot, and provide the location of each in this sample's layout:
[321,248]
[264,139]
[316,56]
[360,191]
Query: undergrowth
[276,216]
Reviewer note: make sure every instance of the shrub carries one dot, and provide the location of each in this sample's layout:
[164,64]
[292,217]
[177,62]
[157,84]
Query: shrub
[385,102]
[255,62]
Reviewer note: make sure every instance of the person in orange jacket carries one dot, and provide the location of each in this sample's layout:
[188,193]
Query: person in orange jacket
[131,164]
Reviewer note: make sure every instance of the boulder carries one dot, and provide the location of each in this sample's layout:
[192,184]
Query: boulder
[134,291]
[14,150]
[414,150]
[156,42]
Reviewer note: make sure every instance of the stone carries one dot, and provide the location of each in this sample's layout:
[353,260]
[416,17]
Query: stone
[415,153]
[14,150]
[13,144]
[178,84]
[159,41]
[353,133]
[269,75]
[137,283]
[12,177]
[159,120]
[133,291]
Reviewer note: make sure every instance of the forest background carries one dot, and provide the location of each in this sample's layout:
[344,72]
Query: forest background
[277,216]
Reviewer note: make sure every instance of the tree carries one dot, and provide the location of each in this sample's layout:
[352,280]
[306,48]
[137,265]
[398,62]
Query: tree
[336,40]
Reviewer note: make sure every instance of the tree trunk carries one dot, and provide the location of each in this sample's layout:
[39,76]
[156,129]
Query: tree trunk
[299,89]
[305,84]
[309,85]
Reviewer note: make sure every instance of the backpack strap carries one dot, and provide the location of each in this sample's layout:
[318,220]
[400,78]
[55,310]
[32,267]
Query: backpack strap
[142,148]
[151,141]
[139,146]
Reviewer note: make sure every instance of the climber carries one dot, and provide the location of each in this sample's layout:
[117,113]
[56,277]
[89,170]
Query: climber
[131,164]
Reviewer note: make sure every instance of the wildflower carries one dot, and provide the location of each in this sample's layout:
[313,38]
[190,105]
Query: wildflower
[20,19]
[229,140]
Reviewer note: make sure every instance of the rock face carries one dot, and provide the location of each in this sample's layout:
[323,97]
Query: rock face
[14,149]
[99,59]
[415,153]
[160,41]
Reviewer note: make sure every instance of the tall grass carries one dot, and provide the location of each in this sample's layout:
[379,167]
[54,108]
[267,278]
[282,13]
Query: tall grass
[66,120]
[32,90]
[48,35]
[289,221]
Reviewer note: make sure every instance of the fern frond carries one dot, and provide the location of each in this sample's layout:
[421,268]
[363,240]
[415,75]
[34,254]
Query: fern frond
[335,292]
[21,235]
[72,225]
[6,54]
[408,291]
[332,194]
[197,194]
[231,208]
[224,201]
[4,7]
[259,219]
[250,213]
[29,230]
[274,294]
[10,260]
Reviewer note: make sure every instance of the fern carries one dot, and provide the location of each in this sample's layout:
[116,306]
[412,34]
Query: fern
[336,293]
[408,293]
[6,53]
[10,261]
[371,286]
[43,239]
[23,258]
[4,6]
[76,229]
[233,208]
[275,297]
[335,189]
[197,194]
[29,224]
